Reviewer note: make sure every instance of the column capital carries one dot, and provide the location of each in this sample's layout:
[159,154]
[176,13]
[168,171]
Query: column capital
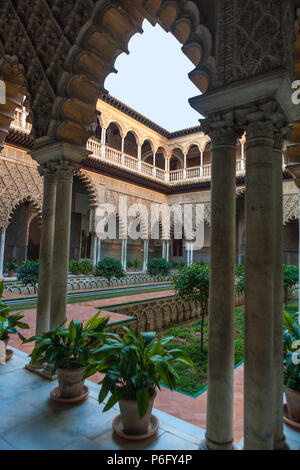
[65,170]
[222,129]
[48,172]
[263,121]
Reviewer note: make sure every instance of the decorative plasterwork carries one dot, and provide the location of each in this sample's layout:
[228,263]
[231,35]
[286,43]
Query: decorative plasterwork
[290,208]
[254,37]
[18,184]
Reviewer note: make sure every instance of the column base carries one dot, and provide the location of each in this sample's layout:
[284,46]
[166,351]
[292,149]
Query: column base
[281,445]
[206,444]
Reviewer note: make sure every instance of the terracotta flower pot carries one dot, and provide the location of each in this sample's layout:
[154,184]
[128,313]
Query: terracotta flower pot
[70,382]
[10,273]
[132,423]
[293,404]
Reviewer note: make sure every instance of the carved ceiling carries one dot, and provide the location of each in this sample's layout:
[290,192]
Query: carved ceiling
[67,48]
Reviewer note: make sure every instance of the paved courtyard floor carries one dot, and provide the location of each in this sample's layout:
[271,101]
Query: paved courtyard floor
[31,421]
[178,405]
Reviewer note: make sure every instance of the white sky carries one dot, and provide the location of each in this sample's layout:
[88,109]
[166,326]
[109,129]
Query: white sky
[153,79]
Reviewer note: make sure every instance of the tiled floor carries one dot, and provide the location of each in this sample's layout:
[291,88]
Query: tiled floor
[30,421]
[189,409]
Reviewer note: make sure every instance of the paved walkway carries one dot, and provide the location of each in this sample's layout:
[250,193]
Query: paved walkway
[192,410]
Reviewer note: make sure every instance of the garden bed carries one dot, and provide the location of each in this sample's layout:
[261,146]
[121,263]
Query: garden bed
[193,381]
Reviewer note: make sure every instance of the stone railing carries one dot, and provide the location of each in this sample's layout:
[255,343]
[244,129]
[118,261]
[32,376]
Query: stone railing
[160,313]
[88,282]
[120,159]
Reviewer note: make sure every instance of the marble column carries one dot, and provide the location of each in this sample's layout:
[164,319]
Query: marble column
[98,250]
[259,297]
[167,250]
[124,254]
[46,251]
[64,173]
[146,255]
[279,437]
[2,248]
[219,431]
[94,248]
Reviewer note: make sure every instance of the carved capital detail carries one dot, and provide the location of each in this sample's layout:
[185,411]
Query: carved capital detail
[222,129]
[65,170]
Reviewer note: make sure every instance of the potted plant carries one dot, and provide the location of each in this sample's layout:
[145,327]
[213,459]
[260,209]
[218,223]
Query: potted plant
[66,350]
[134,367]
[292,366]
[74,267]
[10,267]
[9,322]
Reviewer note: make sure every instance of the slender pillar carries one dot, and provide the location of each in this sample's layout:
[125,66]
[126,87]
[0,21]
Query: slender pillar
[46,251]
[258,380]
[219,431]
[184,167]
[98,250]
[103,142]
[122,151]
[140,158]
[167,249]
[124,254]
[65,172]
[279,437]
[146,255]
[94,249]
[2,247]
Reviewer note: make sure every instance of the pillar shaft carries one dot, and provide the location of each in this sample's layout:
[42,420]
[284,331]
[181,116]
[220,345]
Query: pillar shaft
[61,243]
[219,434]
[279,438]
[258,381]
[124,254]
[98,250]
[46,252]
[146,255]
[2,248]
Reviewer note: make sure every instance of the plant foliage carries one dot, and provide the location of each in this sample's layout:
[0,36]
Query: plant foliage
[159,267]
[192,285]
[291,353]
[69,347]
[9,322]
[109,268]
[290,280]
[28,273]
[134,366]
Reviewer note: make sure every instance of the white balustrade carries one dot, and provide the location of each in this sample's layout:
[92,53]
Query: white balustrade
[194,172]
[122,159]
[19,123]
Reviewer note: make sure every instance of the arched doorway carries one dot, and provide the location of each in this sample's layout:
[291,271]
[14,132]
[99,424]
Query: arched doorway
[23,234]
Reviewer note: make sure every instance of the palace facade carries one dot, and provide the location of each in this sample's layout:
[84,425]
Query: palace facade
[134,157]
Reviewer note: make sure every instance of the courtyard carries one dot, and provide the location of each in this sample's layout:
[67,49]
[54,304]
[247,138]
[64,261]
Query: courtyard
[149,225]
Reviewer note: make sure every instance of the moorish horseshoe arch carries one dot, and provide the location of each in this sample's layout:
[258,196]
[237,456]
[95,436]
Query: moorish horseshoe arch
[109,28]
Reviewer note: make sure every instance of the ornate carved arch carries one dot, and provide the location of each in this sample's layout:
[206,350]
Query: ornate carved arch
[104,36]
[18,183]
[89,185]
[290,208]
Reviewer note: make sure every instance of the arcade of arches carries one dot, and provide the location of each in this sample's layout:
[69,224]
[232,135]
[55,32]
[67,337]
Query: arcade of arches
[58,54]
